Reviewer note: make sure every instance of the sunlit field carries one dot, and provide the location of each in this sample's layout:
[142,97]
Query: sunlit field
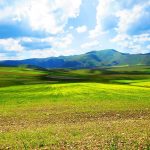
[106,108]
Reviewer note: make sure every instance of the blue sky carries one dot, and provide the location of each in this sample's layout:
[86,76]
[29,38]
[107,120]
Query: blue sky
[44,28]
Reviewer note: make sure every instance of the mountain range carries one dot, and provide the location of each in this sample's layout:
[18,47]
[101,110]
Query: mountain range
[102,58]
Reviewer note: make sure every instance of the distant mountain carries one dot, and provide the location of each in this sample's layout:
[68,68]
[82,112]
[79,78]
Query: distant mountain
[91,59]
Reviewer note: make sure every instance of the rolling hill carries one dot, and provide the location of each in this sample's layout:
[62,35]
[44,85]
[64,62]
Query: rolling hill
[102,58]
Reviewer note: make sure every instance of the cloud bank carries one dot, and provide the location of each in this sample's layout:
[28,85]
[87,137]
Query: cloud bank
[42,28]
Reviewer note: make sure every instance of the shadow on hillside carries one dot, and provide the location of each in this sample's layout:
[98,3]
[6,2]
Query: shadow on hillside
[96,75]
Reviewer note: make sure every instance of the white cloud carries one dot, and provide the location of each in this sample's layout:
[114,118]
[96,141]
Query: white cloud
[142,38]
[133,44]
[3,57]
[71,27]
[44,53]
[96,33]
[105,13]
[82,29]
[89,45]
[135,20]
[10,45]
[148,47]
[126,21]
[63,42]
[42,15]
[59,42]
[26,39]
[58,46]
[123,16]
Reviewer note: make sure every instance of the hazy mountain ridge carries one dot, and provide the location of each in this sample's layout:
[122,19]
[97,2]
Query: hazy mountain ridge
[91,59]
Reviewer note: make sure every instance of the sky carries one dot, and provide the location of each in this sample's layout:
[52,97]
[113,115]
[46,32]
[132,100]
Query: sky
[45,28]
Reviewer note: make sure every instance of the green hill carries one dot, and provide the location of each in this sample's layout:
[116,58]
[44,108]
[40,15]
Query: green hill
[91,59]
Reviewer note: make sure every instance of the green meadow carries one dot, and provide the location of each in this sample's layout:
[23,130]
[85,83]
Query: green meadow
[65,109]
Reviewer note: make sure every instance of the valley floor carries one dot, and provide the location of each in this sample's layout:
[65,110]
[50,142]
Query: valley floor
[82,115]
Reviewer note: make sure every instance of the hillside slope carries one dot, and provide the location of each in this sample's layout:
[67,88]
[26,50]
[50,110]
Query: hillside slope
[91,59]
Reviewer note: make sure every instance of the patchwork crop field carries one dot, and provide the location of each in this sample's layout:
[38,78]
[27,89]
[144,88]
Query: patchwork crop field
[89,109]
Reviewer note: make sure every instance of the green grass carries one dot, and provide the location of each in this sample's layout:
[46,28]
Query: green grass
[82,109]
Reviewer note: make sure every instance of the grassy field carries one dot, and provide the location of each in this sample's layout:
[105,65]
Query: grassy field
[65,109]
